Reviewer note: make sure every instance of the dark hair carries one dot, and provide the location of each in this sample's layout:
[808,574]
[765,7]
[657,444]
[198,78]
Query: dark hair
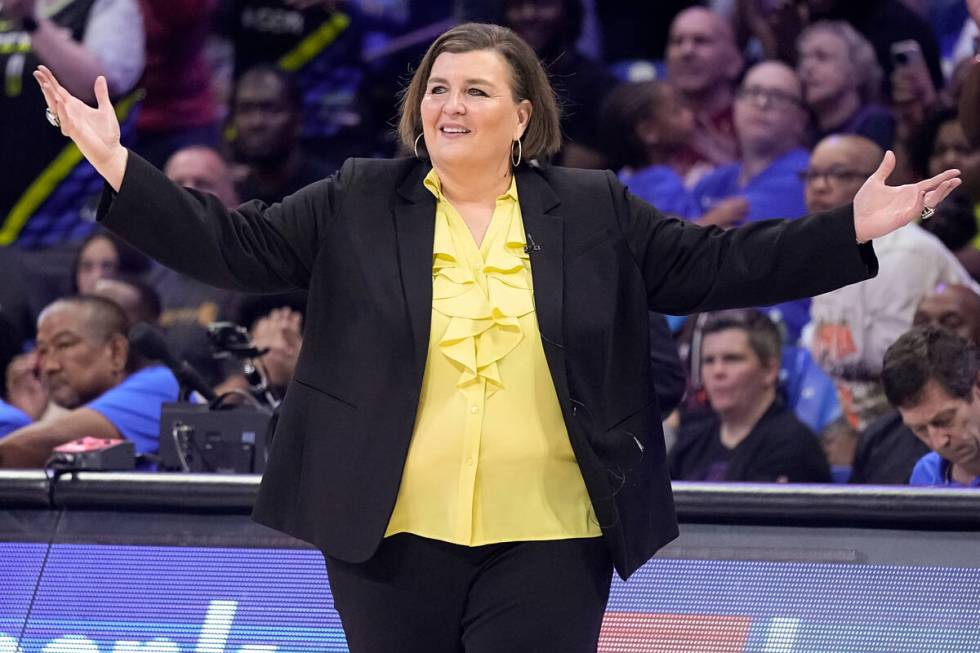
[572,19]
[149,307]
[105,318]
[622,111]
[763,334]
[131,261]
[290,87]
[923,140]
[542,138]
[928,353]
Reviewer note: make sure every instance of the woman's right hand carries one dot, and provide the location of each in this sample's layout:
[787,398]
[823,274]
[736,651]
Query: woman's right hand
[94,131]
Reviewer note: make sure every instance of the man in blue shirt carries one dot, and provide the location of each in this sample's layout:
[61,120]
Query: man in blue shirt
[85,363]
[11,418]
[930,375]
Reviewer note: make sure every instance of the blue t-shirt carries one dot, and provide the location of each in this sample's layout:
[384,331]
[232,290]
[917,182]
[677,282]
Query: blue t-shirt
[932,469]
[776,192]
[11,418]
[663,188]
[133,406]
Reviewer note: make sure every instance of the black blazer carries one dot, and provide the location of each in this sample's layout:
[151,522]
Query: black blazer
[361,242]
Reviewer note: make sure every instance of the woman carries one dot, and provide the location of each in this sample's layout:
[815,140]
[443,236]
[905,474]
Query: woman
[457,438]
[103,255]
[841,83]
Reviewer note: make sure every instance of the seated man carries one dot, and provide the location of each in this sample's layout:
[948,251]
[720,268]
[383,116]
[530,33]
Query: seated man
[931,376]
[751,435]
[852,326]
[887,450]
[82,357]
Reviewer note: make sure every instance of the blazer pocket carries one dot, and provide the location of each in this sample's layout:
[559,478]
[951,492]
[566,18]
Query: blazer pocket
[327,393]
[587,243]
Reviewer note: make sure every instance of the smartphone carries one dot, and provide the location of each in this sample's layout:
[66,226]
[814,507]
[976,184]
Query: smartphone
[905,52]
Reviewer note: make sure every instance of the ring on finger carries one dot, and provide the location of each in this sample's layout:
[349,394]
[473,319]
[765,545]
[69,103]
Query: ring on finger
[52,117]
[927,212]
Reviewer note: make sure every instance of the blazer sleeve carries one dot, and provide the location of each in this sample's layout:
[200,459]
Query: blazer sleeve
[256,248]
[688,268]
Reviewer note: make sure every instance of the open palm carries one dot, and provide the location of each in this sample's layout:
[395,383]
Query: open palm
[880,209]
[94,130]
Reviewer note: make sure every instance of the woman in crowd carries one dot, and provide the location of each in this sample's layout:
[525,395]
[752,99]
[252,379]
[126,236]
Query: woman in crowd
[469,436]
[102,255]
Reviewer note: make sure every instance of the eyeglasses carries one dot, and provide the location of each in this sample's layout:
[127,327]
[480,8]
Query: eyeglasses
[766,97]
[834,175]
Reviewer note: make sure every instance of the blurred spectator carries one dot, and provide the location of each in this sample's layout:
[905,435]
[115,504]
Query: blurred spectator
[82,353]
[11,418]
[853,326]
[751,435]
[267,122]
[770,123]
[703,64]
[930,375]
[642,125]
[138,300]
[842,82]
[18,307]
[320,43]
[637,29]
[969,98]
[884,23]
[179,107]
[189,306]
[941,143]
[42,195]
[102,255]
[887,450]
[769,29]
[551,28]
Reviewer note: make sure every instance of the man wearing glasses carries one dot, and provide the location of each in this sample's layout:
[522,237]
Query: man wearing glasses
[853,327]
[770,123]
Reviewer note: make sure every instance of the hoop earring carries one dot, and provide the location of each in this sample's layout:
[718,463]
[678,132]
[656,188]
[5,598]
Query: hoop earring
[416,148]
[520,152]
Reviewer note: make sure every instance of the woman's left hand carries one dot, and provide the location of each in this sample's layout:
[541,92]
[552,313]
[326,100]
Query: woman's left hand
[880,209]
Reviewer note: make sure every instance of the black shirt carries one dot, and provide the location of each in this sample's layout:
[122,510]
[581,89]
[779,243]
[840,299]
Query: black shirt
[779,445]
[887,450]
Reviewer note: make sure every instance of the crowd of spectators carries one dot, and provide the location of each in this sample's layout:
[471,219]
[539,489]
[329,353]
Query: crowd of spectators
[720,112]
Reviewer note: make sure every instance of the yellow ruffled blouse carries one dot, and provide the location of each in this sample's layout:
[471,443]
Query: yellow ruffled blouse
[490,459]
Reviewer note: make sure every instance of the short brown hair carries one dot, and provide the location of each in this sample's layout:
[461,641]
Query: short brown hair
[763,334]
[542,138]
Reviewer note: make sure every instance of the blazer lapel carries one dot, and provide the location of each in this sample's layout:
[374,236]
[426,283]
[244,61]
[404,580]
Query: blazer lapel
[415,229]
[545,237]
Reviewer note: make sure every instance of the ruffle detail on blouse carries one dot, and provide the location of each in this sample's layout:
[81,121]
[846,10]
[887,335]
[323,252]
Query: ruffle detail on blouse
[484,324]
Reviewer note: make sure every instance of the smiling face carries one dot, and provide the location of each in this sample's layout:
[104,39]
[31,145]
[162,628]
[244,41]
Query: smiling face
[701,52]
[469,115]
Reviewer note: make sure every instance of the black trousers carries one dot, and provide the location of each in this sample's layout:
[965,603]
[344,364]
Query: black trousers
[422,595]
